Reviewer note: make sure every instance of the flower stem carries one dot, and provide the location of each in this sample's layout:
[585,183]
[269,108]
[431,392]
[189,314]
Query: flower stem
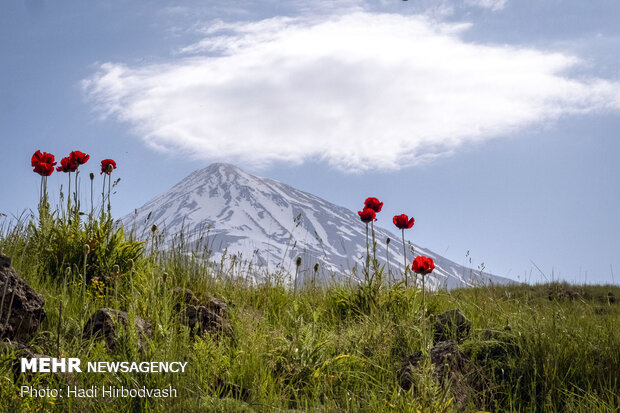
[374,244]
[367,250]
[77,196]
[103,200]
[69,197]
[424,333]
[109,188]
[405,259]
[387,261]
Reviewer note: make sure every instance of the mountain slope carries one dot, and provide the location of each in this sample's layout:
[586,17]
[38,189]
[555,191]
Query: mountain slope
[271,224]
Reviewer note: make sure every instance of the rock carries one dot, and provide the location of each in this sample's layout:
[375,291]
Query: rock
[17,351]
[224,388]
[563,292]
[449,366]
[447,355]
[210,315]
[451,325]
[5,261]
[104,324]
[412,362]
[21,307]
[184,296]
[495,345]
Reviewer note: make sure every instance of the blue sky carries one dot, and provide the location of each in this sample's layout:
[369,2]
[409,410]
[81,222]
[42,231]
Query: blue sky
[493,122]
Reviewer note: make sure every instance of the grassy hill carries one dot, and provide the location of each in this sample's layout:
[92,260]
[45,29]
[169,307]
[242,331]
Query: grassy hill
[531,348]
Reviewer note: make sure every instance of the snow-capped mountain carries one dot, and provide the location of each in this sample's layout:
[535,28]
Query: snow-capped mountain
[270,224]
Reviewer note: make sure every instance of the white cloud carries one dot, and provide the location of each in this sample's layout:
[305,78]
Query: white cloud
[359,91]
[493,5]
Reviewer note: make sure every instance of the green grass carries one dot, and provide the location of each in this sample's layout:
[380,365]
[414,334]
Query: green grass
[330,348]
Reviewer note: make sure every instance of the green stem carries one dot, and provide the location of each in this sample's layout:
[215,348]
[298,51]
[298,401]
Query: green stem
[84,283]
[367,250]
[423,312]
[374,244]
[69,197]
[77,196]
[405,260]
[103,200]
[109,188]
[387,261]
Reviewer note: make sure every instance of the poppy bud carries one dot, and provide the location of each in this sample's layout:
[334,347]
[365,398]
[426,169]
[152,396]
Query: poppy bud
[154,228]
[86,249]
[316,267]
[92,176]
[298,262]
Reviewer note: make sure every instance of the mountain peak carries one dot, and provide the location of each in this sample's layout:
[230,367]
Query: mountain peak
[222,167]
[269,224]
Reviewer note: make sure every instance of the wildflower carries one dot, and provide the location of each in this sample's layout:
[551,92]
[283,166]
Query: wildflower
[374,204]
[67,165]
[42,157]
[43,168]
[423,265]
[107,166]
[402,221]
[79,158]
[367,215]
[43,163]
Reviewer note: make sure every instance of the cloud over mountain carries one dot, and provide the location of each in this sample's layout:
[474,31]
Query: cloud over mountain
[360,91]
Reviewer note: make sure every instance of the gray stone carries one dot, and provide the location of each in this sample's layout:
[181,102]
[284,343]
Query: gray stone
[21,307]
[451,325]
[449,366]
[210,315]
[105,322]
[16,351]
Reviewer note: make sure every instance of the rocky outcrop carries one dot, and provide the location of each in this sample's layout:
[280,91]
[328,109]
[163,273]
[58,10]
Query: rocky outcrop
[15,351]
[451,325]
[105,323]
[21,307]
[210,315]
[448,364]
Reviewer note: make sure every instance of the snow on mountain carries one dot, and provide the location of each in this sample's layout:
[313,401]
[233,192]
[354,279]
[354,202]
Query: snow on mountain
[271,224]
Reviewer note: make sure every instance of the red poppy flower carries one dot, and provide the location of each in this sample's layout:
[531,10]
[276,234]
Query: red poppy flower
[107,166]
[44,157]
[367,215]
[374,204]
[423,265]
[44,168]
[402,221]
[67,165]
[79,158]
